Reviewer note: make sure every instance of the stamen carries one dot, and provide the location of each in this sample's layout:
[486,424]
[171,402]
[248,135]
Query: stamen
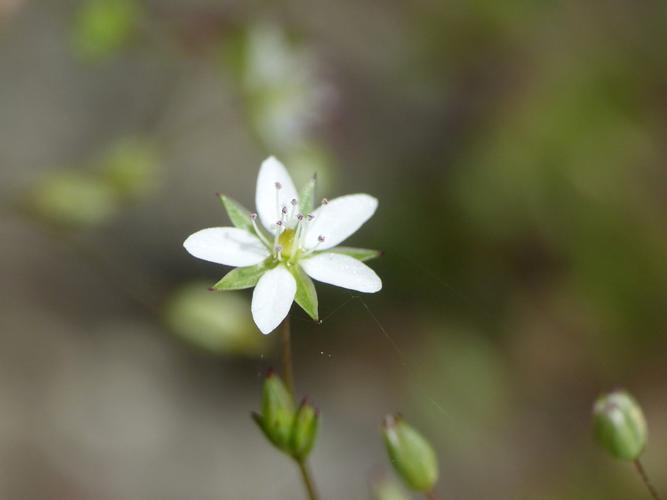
[279,249]
[279,227]
[325,201]
[294,203]
[279,186]
[260,235]
[320,238]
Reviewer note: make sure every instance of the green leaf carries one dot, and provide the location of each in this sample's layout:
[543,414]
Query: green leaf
[241,278]
[362,254]
[307,196]
[306,296]
[239,216]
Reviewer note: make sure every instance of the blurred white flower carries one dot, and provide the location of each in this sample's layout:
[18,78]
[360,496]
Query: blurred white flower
[287,96]
[301,244]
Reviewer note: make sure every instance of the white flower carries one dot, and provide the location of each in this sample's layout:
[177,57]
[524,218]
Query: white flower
[301,244]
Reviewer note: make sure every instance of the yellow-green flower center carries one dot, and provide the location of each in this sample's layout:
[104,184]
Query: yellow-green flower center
[287,242]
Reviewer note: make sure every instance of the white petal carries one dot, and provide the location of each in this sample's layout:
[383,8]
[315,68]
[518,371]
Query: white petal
[342,270]
[269,199]
[272,298]
[338,219]
[226,245]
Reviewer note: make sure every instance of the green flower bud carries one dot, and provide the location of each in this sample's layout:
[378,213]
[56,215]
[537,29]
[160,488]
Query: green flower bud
[411,455]
[304,430]
[619,424]
[277,418]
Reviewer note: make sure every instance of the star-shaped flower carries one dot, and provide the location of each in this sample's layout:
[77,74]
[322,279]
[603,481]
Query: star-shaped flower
[298,242]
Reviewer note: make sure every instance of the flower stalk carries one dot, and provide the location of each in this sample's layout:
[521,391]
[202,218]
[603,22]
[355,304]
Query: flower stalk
[307,480]
[288,368]
[288,373]
[645,479]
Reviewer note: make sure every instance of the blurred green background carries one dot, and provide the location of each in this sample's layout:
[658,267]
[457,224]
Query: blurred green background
[518,151]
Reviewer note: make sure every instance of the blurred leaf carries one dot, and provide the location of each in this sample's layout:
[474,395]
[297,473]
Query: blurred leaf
[386,488]
[74,199]
[465,375]
[306,295]
[220,323]
[131,167]
[362,254]
[238,215]
[104,26]
[241,278]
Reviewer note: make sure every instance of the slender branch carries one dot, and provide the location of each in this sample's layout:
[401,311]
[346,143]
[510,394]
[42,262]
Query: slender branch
[288,370]
[307,480]
[646,480]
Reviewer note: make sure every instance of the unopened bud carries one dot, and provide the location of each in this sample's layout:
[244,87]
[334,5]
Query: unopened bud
[304,430]
[619,424]
[410,453]
[277,412]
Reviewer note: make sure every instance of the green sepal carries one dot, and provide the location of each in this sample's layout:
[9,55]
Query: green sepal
[239,215]
[307,196]
[259,420]
[304,431]
[241,278]
[277,412]
[306,295]
[362,254]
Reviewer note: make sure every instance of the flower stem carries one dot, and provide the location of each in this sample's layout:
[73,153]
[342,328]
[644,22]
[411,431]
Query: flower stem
[430,495]
[288,371]
[646,480]
[288,374]
[307,480]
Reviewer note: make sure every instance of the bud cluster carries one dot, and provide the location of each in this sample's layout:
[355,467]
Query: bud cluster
[292,430]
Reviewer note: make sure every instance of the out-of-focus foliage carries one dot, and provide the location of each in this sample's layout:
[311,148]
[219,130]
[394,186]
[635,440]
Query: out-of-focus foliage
[130,167]
[73,199]
[386,488]
[86,197]
[471,391]
[103,27]
[217,322]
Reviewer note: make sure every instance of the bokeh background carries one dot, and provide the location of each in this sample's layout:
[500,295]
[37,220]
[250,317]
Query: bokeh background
[518,151]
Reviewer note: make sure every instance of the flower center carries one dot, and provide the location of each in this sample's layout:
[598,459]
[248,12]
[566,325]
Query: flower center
[287,242]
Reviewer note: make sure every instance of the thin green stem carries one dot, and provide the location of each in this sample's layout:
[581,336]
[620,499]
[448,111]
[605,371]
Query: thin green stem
[288,370]
[646,480]
[307,480]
